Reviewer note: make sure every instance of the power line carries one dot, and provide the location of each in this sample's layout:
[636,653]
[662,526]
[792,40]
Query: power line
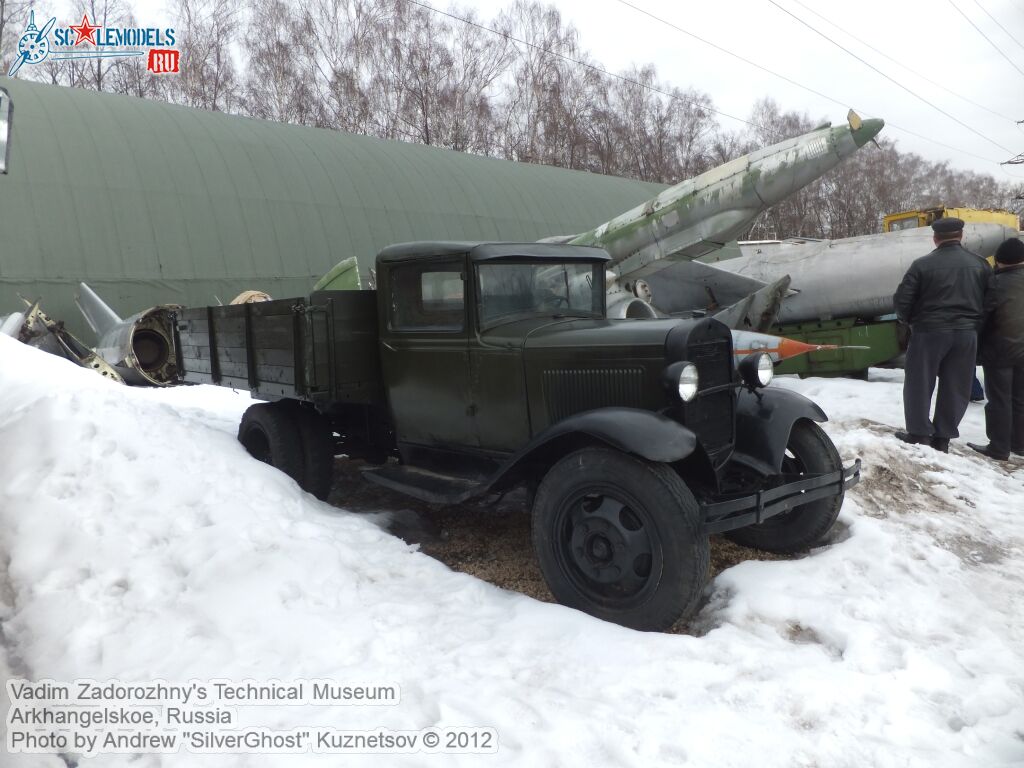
[891,80]
[996,22]
[667,94]
[912,93]
[806,88]
[1012,64]
[676,97]
[901,64]
[733,54]
[938,143]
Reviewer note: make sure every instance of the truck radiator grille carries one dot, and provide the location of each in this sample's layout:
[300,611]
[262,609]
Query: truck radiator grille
[711,416]
[573,391]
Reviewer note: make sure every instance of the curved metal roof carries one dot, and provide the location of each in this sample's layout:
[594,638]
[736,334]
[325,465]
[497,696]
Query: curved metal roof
[155,203]
[492,251]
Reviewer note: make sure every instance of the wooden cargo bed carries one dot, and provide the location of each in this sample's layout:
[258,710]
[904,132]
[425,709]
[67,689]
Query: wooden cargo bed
[322,348]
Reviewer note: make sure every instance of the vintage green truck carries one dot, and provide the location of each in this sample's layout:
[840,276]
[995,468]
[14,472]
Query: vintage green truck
[474,368]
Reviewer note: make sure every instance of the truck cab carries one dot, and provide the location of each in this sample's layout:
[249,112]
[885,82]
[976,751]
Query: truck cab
[485,347]
[475,368]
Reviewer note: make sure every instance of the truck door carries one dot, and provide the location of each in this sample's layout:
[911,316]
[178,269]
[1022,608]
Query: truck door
[425,352]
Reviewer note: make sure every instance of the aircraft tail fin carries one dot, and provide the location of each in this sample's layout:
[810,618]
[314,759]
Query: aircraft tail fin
[758,311]
[344,276]
[97,313]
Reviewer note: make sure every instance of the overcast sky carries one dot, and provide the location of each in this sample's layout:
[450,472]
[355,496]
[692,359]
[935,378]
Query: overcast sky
[931,37]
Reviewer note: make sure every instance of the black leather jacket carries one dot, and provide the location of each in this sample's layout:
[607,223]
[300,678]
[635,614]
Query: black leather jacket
[1001,343]
[944,290]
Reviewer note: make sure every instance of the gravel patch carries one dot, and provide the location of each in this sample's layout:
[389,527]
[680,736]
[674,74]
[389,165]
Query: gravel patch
[489,538]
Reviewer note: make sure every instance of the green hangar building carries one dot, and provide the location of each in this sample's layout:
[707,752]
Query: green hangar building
[152,203]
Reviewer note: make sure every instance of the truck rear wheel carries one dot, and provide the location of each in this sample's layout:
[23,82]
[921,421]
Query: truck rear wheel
[620,538]
[317,441]
[808,451]
[270,433]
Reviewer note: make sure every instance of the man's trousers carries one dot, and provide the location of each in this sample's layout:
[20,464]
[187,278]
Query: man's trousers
[1004,413]
[948,355]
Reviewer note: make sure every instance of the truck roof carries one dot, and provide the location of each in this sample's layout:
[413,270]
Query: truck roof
[489,251]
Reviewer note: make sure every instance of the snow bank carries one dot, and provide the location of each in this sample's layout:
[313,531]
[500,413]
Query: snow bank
[11,324]
[140,542]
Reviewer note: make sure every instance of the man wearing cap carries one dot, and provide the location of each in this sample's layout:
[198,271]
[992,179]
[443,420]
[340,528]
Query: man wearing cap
[1001,350]
[941,298]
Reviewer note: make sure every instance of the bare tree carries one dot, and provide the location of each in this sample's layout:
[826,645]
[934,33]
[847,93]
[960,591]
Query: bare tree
[280,75]
[92,73]
[207,31]
[466,104]
[526,91]
[13,18]
[534,75]
[344,32]
[799,214]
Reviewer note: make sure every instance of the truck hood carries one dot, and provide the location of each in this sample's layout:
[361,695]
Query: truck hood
[574,333]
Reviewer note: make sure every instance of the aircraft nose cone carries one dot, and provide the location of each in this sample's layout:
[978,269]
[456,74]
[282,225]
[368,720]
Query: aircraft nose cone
[867,131]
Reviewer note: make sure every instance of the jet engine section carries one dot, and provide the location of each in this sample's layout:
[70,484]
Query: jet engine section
[630,308]
[629,300]
[141,348]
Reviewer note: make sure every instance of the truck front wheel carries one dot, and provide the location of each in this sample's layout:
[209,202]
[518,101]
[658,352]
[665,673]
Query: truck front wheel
[620,538]
[808,451]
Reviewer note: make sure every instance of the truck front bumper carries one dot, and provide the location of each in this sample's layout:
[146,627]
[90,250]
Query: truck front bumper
[739,512]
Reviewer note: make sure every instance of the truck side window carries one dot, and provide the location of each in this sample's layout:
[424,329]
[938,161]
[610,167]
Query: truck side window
[428,297]
[5,128]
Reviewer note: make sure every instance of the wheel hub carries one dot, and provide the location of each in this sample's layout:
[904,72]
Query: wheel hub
[599,550]
[608,545]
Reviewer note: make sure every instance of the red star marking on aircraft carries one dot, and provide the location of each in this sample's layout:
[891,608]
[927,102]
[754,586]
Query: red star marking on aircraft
[86,32]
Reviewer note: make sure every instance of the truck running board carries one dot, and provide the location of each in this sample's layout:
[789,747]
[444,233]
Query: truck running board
[427,486]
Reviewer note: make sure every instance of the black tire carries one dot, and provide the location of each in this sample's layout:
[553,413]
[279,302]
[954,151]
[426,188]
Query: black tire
[317,441]
[620,538]
[270,433]
[809,450]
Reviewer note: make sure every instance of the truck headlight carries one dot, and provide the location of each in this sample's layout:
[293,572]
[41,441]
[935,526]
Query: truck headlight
[682,379]
[757,370]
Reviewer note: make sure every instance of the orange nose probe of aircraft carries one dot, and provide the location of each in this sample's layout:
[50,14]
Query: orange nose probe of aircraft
[778,347]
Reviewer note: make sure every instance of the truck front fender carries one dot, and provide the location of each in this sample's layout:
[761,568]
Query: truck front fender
[643,433]
[763,423]
[646,434]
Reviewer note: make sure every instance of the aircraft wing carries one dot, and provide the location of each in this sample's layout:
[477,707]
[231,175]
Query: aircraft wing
[686,285]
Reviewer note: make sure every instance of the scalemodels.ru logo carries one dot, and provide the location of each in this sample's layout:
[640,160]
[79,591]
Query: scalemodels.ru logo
[94,41]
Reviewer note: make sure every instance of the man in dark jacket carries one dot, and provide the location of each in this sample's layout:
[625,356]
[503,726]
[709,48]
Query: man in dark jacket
[941,297]
[1001,350]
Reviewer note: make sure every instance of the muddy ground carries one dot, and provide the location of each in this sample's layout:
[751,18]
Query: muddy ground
[488,540]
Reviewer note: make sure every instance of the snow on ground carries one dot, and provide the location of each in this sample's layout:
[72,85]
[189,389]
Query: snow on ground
[139,542]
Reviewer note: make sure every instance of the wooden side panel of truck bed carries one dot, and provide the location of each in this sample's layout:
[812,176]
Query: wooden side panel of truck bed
[322,348]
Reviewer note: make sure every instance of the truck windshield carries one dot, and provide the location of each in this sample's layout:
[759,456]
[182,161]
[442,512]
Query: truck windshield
[514,291]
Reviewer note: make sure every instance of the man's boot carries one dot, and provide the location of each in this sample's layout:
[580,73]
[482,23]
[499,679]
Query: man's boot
[986,450]
[941,444]
[906,437]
